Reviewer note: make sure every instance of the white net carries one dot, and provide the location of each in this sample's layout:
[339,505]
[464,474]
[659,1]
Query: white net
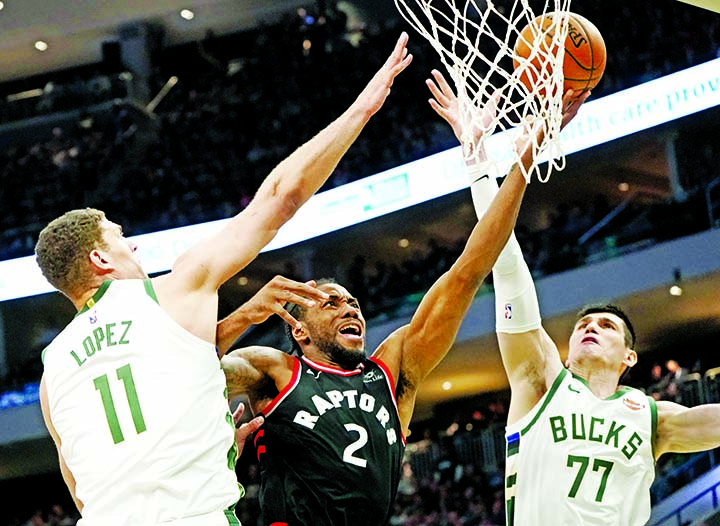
[476,41]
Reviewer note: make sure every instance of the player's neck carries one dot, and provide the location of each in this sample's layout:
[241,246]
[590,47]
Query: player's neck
[82,299]
[317,356]
[602,382]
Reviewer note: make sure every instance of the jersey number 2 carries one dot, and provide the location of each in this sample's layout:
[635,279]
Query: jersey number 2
[352,448]
[597,465]
[102,384]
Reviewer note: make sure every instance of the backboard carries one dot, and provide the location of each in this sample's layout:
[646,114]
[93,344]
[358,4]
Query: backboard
[712,5]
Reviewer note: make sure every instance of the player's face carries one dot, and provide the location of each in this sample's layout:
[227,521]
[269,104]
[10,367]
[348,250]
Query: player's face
[120,253]
[336,326]
[599,338]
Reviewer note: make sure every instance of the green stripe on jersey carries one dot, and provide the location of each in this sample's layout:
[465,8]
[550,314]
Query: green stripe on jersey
[150,290]
[96,297]
[548,397]
[653,423]
[230,516]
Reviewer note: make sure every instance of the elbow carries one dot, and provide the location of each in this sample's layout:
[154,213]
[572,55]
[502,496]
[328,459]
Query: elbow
[284,201]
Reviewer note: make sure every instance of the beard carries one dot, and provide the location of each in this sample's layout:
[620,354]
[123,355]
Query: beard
[346,358]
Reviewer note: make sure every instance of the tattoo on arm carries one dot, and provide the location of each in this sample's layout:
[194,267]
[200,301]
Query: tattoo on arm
[239,374]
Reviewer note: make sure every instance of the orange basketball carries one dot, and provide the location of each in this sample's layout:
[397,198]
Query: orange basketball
[585,53]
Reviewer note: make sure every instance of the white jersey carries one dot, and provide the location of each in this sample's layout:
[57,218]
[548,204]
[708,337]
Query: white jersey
[578,460]
[140,406]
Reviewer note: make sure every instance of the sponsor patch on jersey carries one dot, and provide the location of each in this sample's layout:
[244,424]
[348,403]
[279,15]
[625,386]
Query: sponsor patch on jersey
[372,376]
[633,405]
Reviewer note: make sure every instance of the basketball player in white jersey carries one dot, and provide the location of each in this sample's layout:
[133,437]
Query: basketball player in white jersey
[132,392]
[580,449]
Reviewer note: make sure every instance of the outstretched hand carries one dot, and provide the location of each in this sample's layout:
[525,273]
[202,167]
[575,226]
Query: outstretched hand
[246,429]
[279,291]
[534,132]
[378,89]
[468,123]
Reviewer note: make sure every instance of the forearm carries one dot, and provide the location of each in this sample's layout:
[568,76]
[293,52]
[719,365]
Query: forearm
[300,175]
[434,326]
[230,329]
[516,304]
[495,226]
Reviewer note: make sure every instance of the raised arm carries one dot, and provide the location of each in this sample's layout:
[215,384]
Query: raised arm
[213,261]
[682,429]
[433,328]
[529,356]
[293,181]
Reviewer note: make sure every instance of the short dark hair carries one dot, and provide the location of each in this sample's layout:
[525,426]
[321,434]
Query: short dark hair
[617,311]
[63,248]
[298,312]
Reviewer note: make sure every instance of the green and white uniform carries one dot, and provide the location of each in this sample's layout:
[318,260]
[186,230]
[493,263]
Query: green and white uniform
[578,460]
[140,406]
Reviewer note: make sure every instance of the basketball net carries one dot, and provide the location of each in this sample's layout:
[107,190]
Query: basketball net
[476,42]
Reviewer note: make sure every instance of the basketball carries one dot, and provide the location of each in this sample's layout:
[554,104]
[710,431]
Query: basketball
[585,54]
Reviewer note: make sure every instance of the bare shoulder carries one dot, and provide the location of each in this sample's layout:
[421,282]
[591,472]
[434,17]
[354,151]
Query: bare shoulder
[259,357]
[253,369]
[667,410]
[665,407]
[390,350]
[674,431]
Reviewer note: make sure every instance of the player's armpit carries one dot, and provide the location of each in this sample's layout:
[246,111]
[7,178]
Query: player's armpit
[683,429]
[532,362]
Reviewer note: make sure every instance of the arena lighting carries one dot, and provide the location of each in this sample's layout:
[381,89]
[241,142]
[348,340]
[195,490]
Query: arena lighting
[187,14]
[676,288]
[41,46]
[618,115]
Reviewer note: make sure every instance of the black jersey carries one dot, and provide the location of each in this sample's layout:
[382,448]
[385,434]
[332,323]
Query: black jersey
[331,447]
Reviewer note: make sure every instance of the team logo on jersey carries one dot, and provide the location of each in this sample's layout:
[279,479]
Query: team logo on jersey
[633,405]
[508,311]
[372,376]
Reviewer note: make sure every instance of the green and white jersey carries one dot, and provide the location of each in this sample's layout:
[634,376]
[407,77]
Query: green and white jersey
[578,460]
[140,406]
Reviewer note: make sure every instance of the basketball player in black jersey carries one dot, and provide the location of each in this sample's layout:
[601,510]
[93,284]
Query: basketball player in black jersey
[335,421]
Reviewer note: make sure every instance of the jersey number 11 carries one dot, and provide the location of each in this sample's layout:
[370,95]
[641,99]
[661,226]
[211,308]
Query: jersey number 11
[102,384]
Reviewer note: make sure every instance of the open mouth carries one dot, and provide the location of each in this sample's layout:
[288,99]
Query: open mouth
[352,330]
[589,339]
